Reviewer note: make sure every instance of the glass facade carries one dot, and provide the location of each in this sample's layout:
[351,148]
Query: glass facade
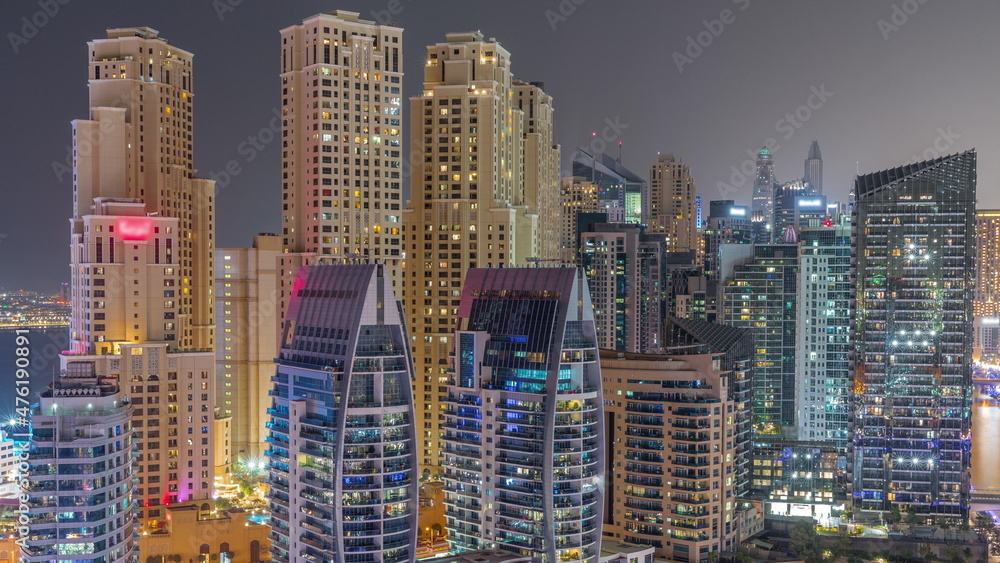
[822,394]
[79,480]
[761,297]
[523,454]
[914,251]
[343,469]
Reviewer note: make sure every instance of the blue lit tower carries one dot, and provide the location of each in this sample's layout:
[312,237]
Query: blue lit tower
[914,251]
[524,430]
[343,468]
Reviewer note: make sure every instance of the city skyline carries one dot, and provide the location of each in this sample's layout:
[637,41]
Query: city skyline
[712,132]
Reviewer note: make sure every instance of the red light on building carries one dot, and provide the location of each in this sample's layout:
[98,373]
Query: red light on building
[134,228]
[828,223]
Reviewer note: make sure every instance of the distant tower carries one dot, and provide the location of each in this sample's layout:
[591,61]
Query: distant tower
[762,212]
[814,168]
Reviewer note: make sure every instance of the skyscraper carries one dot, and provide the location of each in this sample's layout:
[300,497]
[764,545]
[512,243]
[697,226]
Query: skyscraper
[912,263]
[624,268]
[343,468]
[727,223]
[618,187]
[341,137]
[672,210]
[797,205]
[579,195]
[761,297]
[142,238]
[476,204]
[814,169]
[822,334]
[762,207]
[986,306]
[81,457]
[247,292]
[144,151]
[524,422]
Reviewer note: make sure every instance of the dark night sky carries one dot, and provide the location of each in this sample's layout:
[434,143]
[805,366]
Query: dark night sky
[924,84]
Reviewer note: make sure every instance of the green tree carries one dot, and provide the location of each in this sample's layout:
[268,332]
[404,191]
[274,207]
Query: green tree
[804,542]
[894,516]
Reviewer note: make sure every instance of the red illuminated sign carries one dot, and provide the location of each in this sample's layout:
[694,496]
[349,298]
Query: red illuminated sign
[134,228]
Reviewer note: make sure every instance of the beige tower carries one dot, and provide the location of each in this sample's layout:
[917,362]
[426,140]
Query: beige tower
[474,202]
[142,238]
[672,210]
[341,79]
[149,157]
[248,303]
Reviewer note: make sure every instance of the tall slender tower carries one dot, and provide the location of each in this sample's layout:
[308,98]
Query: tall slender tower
[913,262]
[142,239]
[475,203]
[144,151]
[524,442]
[762,207]
[672,209]
[986,306]
[814,169]
[342,454]
[341,137]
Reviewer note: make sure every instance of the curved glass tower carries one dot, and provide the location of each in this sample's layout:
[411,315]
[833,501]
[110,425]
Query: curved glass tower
[343,470]
[524,426]
[79,481]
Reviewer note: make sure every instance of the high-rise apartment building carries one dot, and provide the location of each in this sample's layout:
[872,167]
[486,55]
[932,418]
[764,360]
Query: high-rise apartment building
[987,300]
[680,441]
[474,203]
[727,223]
[762,207]
[341,137]
[672,211]
[579,195]
[524,425]
[624,272]
[80,473]
[246,307]
[343,467]
[796,205]
[137,145]
[142,238]
[822,334]
[986,305]
[761,297]
[913,266]
[541,168]
[814,169]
